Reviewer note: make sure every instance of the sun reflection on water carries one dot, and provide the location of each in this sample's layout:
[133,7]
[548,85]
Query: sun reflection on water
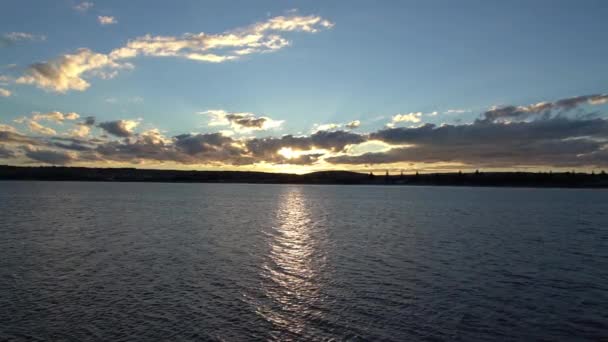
[294,267]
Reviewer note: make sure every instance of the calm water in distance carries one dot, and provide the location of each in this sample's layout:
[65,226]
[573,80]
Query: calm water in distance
[234,262]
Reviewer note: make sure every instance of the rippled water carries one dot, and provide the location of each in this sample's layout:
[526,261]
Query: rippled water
[119,261]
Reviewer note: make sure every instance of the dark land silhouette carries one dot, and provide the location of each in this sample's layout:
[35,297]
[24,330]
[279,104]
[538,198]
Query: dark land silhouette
[510,179]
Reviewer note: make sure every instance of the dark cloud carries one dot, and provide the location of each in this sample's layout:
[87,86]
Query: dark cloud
[119,128]
[193,144]
[510,136]
[542,110]
[73,146]
[50,156]
[89,121]
[6,152]
[12,137]
[246,121]
[556,142]
[211,148]
[333,141]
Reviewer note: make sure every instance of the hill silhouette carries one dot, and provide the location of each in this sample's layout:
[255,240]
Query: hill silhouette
[513,179]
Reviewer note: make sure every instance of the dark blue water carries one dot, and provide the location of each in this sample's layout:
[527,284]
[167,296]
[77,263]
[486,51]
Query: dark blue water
[145,262]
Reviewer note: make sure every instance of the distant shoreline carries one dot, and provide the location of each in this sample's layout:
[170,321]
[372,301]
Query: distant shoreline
[479,179]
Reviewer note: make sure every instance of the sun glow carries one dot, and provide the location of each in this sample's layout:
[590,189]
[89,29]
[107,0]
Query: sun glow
[289,153]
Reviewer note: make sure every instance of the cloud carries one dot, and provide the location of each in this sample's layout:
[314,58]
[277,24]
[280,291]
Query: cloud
[325,127]
[89,121]
[410,117]
[83,6]
[241,122]
[267,149]
[80,131]
[212,148]
[456,111]
[119,128]
[106,20]
[353,124]
[257,38]
[35,127]
[13,137]
[6,152]
[69,71]
[519,113]
[539,141]
[5,92]
[7,128]
[15,37]
[555,142]
[335,126]
[5,80]
[50,156]
[55,116]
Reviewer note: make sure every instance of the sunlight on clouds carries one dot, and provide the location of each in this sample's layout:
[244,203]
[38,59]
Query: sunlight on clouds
[119,128]
[335,126]
[35,127]
[410,117]
[372,146]
[55,116]
[5,92]
[353,124]
[567,140]
[80,131]
[7,128]
[287,152]
[68,72]
[325,127]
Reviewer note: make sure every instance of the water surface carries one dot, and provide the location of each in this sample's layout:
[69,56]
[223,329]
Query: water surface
[142,261]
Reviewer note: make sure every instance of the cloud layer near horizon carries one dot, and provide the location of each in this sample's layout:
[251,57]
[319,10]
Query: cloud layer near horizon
[548,134]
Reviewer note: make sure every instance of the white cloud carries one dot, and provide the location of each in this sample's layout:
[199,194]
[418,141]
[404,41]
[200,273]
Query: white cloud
[335,126]
[107,20]
[230,45]
[35,127]
[68,72]
[55,116]
[353,124]
[80,131]
[5,92]
[413,117]
[84,6]
[325,127]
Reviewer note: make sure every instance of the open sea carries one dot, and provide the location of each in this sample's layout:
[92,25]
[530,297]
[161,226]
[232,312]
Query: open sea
[238,262]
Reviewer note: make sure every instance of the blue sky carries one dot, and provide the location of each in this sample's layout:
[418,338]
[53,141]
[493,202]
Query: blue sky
[375,60]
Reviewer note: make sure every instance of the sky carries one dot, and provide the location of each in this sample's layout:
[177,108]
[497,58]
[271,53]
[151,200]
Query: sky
[300,86]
